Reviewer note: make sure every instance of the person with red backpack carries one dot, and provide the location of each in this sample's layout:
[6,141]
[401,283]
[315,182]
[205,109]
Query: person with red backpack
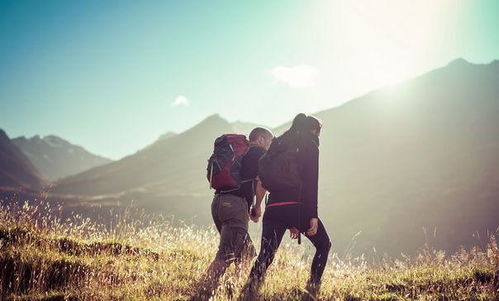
[290,172]
[232,171]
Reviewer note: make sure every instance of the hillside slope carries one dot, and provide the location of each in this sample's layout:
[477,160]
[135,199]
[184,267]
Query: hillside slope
[419,156]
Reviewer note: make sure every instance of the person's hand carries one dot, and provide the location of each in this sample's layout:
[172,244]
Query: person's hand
[294,233]
[314,224]
[256,212]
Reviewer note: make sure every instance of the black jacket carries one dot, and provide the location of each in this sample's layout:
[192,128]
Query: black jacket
[308,156]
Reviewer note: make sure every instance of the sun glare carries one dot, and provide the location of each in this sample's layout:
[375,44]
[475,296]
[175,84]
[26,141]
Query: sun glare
[382,42]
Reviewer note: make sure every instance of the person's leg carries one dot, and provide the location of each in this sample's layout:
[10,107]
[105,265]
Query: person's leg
[271,239]
[231,212]
[245,250]
[322,245]
[247,254]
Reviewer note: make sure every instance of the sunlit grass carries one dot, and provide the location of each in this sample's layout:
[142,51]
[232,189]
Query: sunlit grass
[43,257]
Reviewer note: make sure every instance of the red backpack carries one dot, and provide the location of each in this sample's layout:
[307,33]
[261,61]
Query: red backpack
[224,165]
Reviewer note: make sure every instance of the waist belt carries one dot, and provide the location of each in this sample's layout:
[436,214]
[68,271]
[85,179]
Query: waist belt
[282,204]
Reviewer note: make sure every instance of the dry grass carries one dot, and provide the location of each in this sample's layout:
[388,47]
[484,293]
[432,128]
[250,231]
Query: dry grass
[45,258]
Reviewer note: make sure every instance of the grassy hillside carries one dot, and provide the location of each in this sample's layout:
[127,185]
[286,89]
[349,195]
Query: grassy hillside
[45,258]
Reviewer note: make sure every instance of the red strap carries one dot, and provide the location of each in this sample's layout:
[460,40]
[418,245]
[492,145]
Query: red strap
[282,204]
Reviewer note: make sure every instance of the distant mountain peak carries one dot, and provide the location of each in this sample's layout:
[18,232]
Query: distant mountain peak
[55,141]
[53,138]
[215,116]
[212,120]
[459,61]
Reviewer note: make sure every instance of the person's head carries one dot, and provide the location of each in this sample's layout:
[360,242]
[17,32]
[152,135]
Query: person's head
[261,137]
[306,124]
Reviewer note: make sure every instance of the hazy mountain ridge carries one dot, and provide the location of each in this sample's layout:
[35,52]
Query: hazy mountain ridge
[57,158]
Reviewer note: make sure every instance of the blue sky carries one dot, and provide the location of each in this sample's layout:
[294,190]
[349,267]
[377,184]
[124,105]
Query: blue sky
[114,75]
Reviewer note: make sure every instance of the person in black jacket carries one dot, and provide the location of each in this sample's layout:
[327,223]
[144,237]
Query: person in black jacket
[294,209]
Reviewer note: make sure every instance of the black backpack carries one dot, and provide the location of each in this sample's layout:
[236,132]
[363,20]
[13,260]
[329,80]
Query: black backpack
[279,168]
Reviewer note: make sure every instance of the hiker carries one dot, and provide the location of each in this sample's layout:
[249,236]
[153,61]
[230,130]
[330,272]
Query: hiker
[292,203]
[232,204]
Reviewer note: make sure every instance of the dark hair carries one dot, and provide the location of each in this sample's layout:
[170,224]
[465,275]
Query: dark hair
[259,132]
[303,124]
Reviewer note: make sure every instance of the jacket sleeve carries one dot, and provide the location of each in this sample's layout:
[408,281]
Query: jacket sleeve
[310,177]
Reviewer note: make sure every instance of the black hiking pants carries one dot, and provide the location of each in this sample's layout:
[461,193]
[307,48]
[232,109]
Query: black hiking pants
[273,231]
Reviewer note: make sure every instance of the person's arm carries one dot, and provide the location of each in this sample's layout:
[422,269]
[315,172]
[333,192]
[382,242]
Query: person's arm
[310,180]
[311,186]
[260,192]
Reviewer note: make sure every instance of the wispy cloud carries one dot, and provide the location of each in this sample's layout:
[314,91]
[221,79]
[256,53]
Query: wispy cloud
[299,76]
[181,100]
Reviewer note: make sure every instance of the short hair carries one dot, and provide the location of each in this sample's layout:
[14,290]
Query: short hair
[259,132]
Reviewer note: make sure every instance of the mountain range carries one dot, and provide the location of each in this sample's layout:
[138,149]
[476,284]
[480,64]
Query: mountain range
[55,157]
[405,165]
